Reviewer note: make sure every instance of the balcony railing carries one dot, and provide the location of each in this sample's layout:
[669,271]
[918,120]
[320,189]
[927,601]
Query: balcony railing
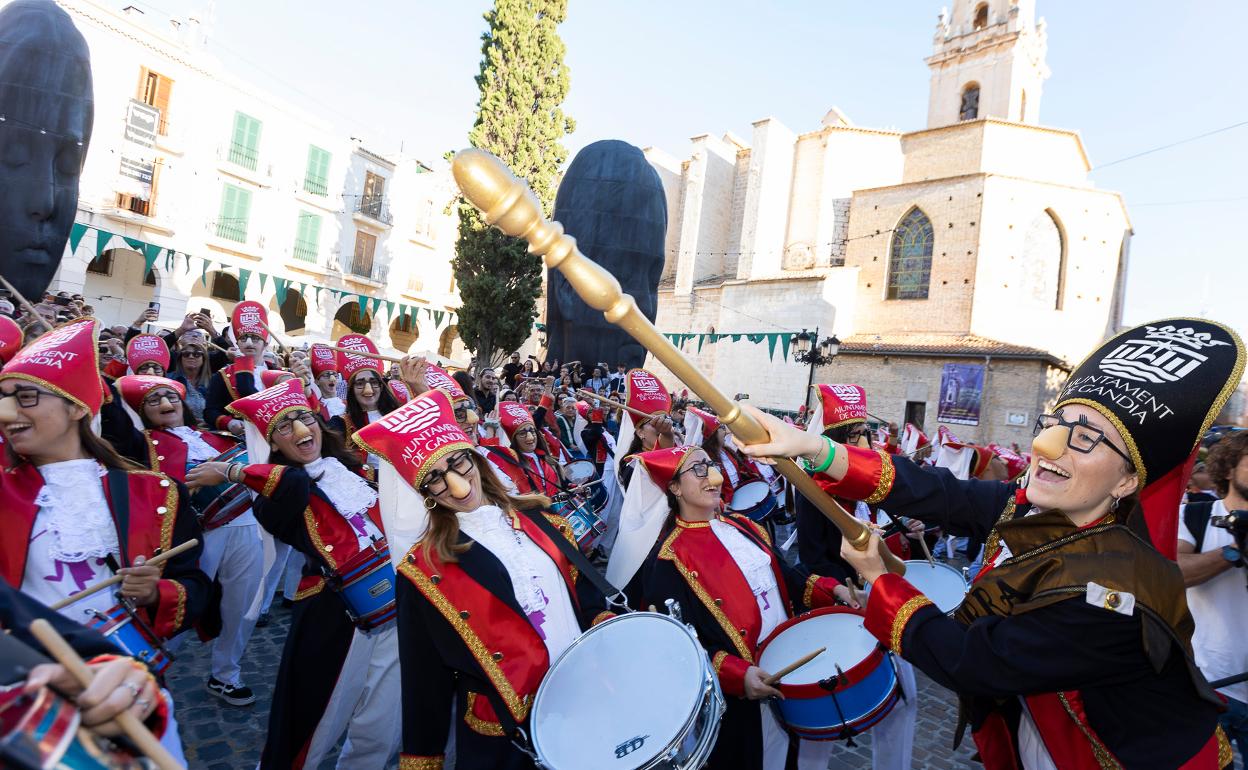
[362,266]
[316,185]
[232,229]
[374,207]
[242,155]
[306,250]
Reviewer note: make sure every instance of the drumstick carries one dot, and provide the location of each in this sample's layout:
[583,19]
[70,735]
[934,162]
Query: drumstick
[366,354]
[135,730]
[115,579]
[26,303]
[795,665]
[926,551]
[616,404]
[853,592]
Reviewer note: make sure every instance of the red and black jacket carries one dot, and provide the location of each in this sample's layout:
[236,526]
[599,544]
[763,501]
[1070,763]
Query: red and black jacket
[231,383]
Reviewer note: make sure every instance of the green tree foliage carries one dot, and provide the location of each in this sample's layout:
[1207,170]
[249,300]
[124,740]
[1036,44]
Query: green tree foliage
[522,82]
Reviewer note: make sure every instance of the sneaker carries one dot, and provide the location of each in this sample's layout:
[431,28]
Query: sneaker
[235,696]
[263,620]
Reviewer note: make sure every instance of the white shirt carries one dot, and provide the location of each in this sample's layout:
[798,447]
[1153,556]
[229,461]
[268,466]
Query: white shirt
[374,416]
[334,406]
[73,519]
[755,566]
[539,588]
[730,468]
[1220,608]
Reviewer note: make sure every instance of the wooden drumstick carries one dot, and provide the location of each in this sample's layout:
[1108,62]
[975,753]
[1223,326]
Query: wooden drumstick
[135,730]
[616,404]
[115,579]
[926,551]
[853,592]
[365,354]
[795,665]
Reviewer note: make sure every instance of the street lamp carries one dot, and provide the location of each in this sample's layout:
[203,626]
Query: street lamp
[811,350]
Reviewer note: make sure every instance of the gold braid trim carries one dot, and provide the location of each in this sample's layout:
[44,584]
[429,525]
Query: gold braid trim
[993,544]
[885,484]
[313,590]
[409,762]
[734,635]
[275,477]
[808,594]
[479,725]
[912,605]
[602,616]
[153,458]
[560,523]
[518,706]
[1104,759]
[310,521]
[179,615]
[170,515]
[1226,758]
[718,660]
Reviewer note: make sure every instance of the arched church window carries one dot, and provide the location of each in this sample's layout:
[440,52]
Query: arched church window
[910,263]
[981,17]
[1044,261]
[970,103]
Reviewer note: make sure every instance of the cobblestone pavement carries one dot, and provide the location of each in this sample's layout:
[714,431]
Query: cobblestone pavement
[221,737]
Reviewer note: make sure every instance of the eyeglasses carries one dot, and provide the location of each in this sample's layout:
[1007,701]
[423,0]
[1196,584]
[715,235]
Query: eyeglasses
[526,431]
[250,338]
[460,463]
[461,411]
[28,397]
[287,426]
[191,354]
[854,435]
[701,469]
[372,382]
[156,398]
[1080,436]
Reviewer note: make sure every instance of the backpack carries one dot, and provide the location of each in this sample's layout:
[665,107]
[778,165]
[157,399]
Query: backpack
[1196,516]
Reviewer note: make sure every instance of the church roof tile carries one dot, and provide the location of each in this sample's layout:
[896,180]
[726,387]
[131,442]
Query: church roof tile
[942,344]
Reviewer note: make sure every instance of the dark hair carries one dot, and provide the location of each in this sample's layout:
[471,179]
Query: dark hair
[465,381]
[840,434]
[441,541]
[333,444]
[188,417]
[1224,457]
[712,445]
[386,404]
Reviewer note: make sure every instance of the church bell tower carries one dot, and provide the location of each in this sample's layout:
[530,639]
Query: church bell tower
[987,62]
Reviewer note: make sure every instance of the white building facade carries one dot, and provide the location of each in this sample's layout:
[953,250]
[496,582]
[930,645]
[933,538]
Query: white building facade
[201,189]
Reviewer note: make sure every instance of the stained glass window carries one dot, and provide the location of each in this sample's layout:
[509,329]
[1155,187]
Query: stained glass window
[910,266]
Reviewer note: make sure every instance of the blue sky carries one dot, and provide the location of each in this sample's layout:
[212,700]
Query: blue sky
[1128,76]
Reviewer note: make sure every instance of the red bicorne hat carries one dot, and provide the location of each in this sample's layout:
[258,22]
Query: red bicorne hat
[10,338]
[399,390]
[135,387]
[323,359]
[413,437]
[271,377]
[145,349]
[349,364]
[250,317]
[644,392]
[265,408]
[1015,464]
[439,379]
[65,361]
[661,465]
[512,415]
[837,405]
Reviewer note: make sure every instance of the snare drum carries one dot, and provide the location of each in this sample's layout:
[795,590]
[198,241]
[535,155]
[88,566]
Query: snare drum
[42,728]
[846,690]
[754,500]
[636,691]
[579,472]
[944,585]
[366,584]
[587,526]
[219,505]
[127,630]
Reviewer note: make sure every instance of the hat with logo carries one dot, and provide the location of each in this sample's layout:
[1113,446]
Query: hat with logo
[146,349]
[250,317]
[65,361]
[323,359]
[10,338]
[350,364]
[837,405]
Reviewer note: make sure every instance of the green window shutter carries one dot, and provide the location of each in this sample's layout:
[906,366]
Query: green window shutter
[235,209]
[316,178]
[308,237]
[245,141]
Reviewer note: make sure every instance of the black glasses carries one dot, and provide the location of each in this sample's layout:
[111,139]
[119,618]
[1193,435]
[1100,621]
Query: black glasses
[700,469]
[287,426]
[28,397]
[156,398]
[460,463]
[371,381]
[191,354]
[526,431]
[250,337]
[1081,436]
[461,411]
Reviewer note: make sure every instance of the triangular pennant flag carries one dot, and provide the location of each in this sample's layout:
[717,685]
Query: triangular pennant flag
[169,253]
[437,318]
[701,339]
[243,277]
[203,278]
[771,346]
[262,277]
[785,339]
[134,243]
[390,310]
[362,301]
[735,337]
[75,236]
[150,252]
[187,257]
[756,338]
[376,305]
[102,237]
[319,289]
[279,287]
[303,291]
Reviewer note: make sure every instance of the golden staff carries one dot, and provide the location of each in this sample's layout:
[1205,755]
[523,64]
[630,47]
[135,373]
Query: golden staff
[507,203]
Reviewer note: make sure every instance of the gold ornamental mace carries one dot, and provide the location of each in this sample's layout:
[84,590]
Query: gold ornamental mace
[508,204]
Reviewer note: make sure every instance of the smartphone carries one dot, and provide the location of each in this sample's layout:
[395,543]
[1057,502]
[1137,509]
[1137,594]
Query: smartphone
[206,312]
[154,306]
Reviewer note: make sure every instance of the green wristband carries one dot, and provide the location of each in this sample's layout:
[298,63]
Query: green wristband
[831,456]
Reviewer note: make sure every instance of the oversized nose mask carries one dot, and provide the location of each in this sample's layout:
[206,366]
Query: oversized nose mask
[457,485]
[714,476]
[471,417]
[8,409]
[1051,443]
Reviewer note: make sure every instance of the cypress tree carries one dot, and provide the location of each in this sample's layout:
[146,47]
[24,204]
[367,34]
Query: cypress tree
[522,83]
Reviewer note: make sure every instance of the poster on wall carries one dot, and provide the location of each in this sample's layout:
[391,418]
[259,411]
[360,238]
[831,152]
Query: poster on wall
[961,391]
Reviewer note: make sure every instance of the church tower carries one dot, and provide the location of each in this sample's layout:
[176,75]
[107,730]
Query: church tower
[987,62]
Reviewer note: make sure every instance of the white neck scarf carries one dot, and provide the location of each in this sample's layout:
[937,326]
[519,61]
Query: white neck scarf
[197,450]
[349,492]
[79,523]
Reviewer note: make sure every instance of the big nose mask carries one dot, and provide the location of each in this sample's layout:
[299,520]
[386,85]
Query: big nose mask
[8,409]
[471,417]
[713,476]
[457,486]
[1051,443]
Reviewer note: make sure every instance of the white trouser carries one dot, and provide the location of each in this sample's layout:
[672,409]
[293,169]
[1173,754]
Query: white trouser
[294,573]
[892,740]
[365,701]
[170,739]
[275,574]
[232,555]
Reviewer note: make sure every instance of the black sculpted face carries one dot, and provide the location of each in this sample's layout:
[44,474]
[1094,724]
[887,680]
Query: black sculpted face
[46,114]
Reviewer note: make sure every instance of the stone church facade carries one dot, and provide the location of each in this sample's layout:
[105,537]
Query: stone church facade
[978,240]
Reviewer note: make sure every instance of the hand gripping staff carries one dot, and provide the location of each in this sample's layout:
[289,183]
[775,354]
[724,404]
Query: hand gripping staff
[507,203]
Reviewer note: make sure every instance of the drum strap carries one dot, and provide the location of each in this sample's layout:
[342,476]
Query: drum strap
[120,499]
[578,560]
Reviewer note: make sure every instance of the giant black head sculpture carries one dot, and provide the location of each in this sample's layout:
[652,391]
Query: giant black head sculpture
[46,113]
[612,202]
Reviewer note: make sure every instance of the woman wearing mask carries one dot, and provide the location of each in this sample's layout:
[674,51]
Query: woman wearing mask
[368,398]
[249,324]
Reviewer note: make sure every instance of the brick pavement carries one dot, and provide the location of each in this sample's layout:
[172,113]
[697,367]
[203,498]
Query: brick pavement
[220,737]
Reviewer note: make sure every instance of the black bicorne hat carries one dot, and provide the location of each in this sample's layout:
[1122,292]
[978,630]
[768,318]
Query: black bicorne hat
[1162,385]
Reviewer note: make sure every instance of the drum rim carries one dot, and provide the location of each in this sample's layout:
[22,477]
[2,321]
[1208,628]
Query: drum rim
[966,583]
[709,679]
[853,675]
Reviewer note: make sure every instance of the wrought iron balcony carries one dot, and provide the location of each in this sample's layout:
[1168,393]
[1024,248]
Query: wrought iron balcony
[374,207]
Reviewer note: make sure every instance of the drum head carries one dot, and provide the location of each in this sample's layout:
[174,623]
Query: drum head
[749,495]
[635,679]
[848,643]
[579,472]
[943,584]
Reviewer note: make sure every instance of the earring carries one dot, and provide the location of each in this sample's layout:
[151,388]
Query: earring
[430,503]
[1113,505]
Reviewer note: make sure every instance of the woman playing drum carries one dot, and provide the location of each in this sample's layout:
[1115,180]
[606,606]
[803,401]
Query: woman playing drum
[487,598]
[335,674]
[1073,648]
[731,584]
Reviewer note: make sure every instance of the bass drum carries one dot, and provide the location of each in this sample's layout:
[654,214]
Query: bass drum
[634,692]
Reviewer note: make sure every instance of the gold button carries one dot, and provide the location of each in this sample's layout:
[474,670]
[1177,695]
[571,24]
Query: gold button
[719,602]
[1112,600]
[164,482]
[155,442]
[693,574]
[498,656]
[463,614]
[436,579]
[329,548]
[743,632]
[411,559]
[162,510]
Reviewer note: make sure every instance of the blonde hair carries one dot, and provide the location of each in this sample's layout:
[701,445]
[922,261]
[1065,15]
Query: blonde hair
[441,543]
